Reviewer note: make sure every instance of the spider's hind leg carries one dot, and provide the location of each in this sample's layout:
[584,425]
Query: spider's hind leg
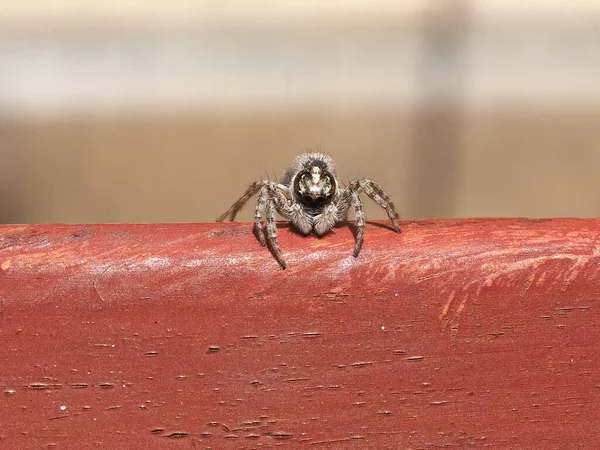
[235,208]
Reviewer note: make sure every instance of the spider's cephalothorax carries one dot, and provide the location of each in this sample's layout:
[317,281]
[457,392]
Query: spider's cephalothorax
[310,198]
[314,188]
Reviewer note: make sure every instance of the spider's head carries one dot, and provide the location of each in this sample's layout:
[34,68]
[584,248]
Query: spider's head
[314,187]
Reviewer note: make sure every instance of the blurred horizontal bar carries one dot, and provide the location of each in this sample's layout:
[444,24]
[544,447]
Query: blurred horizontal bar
[454,333]
[295,58]
[20,13]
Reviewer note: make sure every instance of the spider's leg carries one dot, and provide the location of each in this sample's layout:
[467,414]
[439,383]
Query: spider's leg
[232,212]
[263,198]
[360,222]
[277,193]
[376,193]
[293,213]
[272,232]
[343,203]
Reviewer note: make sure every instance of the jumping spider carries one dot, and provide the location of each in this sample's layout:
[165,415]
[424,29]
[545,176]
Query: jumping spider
[311,198]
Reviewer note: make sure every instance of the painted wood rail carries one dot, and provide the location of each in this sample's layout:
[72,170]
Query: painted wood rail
[455,333]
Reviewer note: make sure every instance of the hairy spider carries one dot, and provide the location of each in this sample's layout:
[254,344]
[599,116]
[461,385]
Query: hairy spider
[310,197]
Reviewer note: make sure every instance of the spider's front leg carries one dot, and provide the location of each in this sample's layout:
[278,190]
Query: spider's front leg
[263,198]
[252,190]
[272,199]
[272,232]
[349,199]
[360,222]
[377,194]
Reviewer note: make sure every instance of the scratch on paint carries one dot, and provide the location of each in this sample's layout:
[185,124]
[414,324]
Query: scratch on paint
[472,290]
[446,307]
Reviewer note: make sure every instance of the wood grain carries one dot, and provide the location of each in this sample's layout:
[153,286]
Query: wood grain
[456,333]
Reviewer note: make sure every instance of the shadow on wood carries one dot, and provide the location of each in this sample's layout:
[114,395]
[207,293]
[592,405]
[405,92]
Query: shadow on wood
[456,332]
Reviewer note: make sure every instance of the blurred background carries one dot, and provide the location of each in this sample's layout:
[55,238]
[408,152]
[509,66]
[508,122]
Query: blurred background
[166,111]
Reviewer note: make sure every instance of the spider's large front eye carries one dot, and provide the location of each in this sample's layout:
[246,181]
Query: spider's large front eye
[330,185]
[301,184]
[314,187]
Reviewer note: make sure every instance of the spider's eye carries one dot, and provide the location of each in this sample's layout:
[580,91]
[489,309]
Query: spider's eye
[314,187]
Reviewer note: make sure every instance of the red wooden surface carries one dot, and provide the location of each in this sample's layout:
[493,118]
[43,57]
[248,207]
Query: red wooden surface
[469,333]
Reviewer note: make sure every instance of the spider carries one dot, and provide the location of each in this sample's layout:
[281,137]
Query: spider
[311,198]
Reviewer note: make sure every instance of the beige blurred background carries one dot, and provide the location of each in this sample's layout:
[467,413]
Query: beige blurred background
[166,111]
